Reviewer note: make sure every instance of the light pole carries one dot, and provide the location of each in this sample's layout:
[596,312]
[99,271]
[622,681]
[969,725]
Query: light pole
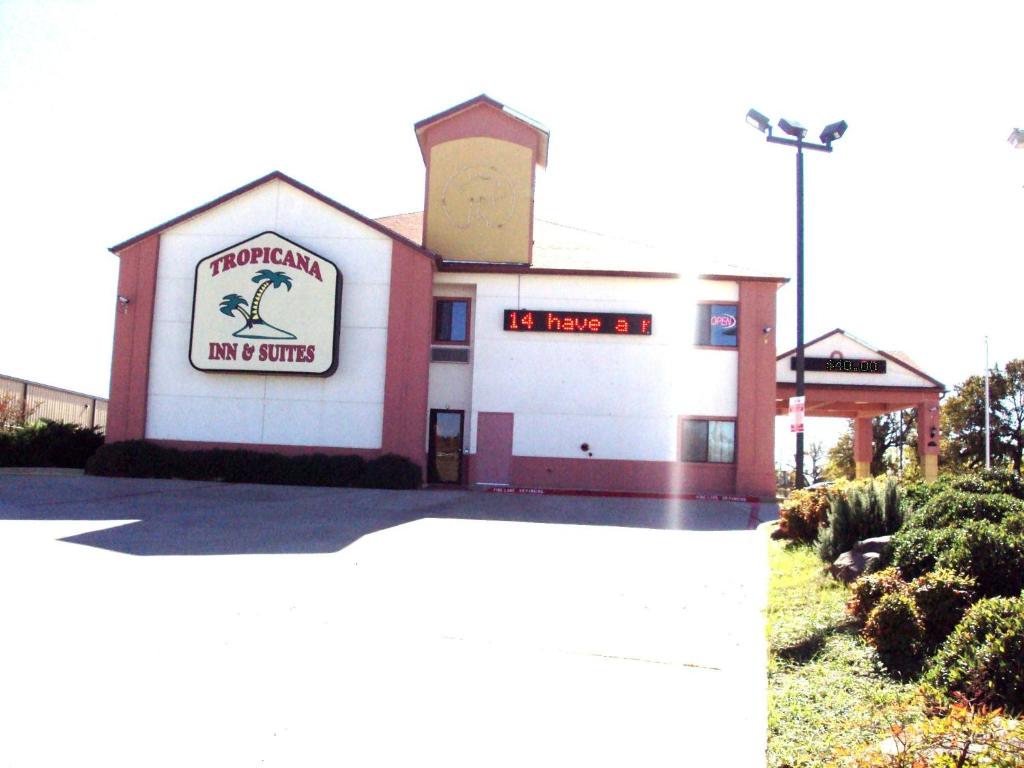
[831,132]
[988,410]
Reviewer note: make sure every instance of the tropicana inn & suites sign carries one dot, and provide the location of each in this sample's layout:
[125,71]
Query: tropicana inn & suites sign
[266,305]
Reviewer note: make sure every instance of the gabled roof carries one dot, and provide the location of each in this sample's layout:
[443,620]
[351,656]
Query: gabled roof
[900,359]
[543,133]
[277,176]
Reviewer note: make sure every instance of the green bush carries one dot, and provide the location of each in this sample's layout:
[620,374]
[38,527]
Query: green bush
[984,656]
[989,481]
[864,510]
[896,630]
[954,507]
[988,553]
[48,444]
[915,495]
[134,458]
[392,472]
[872,587]
[942,597]
[802,515]
[916,551]
[139,458]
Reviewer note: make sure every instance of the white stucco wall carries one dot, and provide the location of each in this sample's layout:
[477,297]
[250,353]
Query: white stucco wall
[622,395]
[895,374]
[341,410]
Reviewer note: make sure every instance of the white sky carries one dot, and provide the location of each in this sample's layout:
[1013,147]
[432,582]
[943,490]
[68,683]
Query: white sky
[115,117]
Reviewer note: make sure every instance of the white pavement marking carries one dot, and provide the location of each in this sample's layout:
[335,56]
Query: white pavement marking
[439,642]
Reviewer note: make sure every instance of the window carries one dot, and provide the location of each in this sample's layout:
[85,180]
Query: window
[717,325]
[451,321]
[709,441]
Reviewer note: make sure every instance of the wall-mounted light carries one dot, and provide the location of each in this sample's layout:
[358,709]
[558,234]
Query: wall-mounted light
[122,300]
[767,329]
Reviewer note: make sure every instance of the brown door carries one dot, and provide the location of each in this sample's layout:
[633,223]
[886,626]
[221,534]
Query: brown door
[492,463]
[444,460]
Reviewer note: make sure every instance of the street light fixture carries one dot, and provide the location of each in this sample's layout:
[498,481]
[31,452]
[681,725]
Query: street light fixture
[832,132]
[1016,138]
[793,129]
[759,121]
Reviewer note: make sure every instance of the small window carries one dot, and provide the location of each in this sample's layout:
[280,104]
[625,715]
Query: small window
[717,325]
[451,321]
[709,441]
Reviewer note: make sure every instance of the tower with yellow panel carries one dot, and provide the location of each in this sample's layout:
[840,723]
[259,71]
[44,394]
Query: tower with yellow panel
[481,159]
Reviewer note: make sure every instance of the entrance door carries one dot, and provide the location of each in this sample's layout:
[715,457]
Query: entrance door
[444,460]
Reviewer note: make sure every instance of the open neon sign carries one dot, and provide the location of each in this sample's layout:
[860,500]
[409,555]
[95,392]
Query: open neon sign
[560,321]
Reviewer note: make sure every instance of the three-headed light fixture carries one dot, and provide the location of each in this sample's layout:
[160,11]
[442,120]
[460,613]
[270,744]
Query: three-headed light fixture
[831,132]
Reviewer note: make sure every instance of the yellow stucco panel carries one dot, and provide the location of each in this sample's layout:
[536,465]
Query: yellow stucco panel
[480,200]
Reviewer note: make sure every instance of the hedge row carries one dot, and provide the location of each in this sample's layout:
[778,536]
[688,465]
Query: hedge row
[48,444]
[980,535]
[138,458]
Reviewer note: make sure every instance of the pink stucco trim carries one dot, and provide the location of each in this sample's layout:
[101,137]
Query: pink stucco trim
[755,407]
[928,419]
[481,120]
[863,440]
[410,328]
[661,477]
[133,328]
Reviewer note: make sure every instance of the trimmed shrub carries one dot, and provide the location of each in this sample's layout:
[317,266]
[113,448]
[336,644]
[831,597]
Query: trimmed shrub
[954,507]
[392,472]
[915,495]
[133,458]
[802,515]
[872,587]
[989,553]
[915,551]
[865,510]
[48,444]
[942,597]
[989,481]
[896,630]
[321,469]
[138,458]
[984,656]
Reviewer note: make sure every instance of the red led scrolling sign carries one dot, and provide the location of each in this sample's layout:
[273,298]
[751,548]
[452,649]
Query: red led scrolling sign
[561,321]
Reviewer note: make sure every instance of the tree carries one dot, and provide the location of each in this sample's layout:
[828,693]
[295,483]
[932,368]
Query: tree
[891,434]
[840,457]
[963,420]
[816,453]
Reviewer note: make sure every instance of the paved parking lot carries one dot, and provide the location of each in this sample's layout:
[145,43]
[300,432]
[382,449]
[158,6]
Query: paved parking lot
[165,623]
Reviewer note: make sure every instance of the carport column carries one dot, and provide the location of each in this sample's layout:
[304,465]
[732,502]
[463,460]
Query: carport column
[862,446]
[928,438]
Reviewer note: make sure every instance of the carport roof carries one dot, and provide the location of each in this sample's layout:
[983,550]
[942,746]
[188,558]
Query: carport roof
[857,395]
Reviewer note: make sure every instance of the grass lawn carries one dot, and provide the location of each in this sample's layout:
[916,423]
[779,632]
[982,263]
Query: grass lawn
[824,687]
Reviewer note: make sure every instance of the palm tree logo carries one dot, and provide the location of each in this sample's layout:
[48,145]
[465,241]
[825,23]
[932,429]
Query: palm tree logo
[255,326]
